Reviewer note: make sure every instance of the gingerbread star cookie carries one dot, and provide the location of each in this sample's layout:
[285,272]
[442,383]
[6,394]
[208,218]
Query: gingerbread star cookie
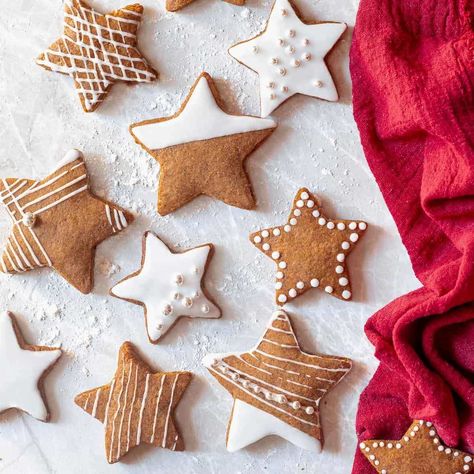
[289,57]
[201,150]
[97,50]
[137,406]
[310,250]
[277,388]
[22,370]
[419,451]
[168,286]
[58,222]
[175,5]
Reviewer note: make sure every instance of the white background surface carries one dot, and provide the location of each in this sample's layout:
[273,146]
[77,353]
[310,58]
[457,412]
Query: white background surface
[316,145]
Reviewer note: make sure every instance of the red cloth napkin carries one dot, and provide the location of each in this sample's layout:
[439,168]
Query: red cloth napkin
[412,66]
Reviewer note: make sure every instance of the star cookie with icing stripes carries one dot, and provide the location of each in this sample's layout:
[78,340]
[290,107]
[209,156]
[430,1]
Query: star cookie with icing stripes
[137,406]
[58,222]
[277,388]
[201,150]
[22,370]
[289,57]
[310,250]
[419,451]
[97,50]
[168,286]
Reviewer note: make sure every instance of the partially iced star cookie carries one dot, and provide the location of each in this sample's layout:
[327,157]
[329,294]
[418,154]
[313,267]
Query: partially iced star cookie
[201,150]
[137,406]
[97,50]
[58,222]
[168,286]
[22,370]
[310,250]
[277,388]
[289,57]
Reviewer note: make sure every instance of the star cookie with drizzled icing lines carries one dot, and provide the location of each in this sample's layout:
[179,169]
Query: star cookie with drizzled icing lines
[310,250]
[277,388]
[419,451]
[58,222]
[137,406]
[97,50]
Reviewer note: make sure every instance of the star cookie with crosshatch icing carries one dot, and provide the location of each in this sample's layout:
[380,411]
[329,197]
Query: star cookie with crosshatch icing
[97,50]
[168,286]
[22,370]
[289,57]
[277,388]
[310,250]
[419,451]
[137,406]
[201,150]
[58,222]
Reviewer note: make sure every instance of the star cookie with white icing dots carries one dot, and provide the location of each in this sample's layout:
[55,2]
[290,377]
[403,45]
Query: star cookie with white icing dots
[419,451]
[58,222]
[97,50]
[310,250]
[277,388]
[289,57]
[22,370]
[137,406]
[201,150]
[168,286]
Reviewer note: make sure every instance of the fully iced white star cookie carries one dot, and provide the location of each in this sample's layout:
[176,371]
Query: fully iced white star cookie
[22,368]
[168,286]
[289,57]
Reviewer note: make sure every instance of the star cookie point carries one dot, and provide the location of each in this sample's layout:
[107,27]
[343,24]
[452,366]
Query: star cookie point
[277,388]
[310,250]
[137,406]
[168,286]
[201,150]
[97,50]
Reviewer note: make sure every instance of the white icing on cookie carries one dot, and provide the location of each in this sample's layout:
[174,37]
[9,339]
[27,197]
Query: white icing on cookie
[20,372]
[169,285]
[289,56]
[201,119]
[249,424]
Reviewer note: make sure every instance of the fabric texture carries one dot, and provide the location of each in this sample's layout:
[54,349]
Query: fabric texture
[412,66]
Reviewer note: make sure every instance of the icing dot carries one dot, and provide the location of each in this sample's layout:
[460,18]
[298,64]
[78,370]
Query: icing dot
[291,33]
[179,279]
[316,213]
[309,410]
[282,298]
[383,471]
[389,445]
[271,85]
[275,255]
[296,405]
[272,96]
[382,444]
[329,289]
[353,225]
[282,71]
[339,269]
[467,459]
[429,424]
[436,441]
[299,203]
[297,212]
[187,302]
[398,445]
[406,438]
[330,225]
[304,195]
[412,433]
[205,308]
[343,281]
[346,294]
[282,265]
[257,239]
[265,234]
[416,428]
[278,285]
[280,398]
[354,237]
[281,42]
[195,270]
[266,246]
[293,221]
[195,294]
[284,12]
[321,221]
[432,433]
[362,225]
[318,83]
[371,457]
[466,467]
[256,388]
[292,292]
[345,245]
[268,396]
[376,462]
[284,88]
[290,50]
[362,445]
[340,257]
[280,275]
[455,454]
[296,63]
[310,203]
[274,61]
[167,309]
[175,295]
[305,42]
[300,285]
[245,383]
[306,56]
[447,451]
[314,282]
[341,225]
[255,49]
[375,445]
[276,232]
[28,219]
[440,448]
[287,228]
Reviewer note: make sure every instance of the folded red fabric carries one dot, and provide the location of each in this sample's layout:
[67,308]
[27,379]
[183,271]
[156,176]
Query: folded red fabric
[412,67]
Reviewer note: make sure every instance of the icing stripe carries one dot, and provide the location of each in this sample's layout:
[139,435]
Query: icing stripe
[142,409]
[132,405]
[165,433]
[156,409]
